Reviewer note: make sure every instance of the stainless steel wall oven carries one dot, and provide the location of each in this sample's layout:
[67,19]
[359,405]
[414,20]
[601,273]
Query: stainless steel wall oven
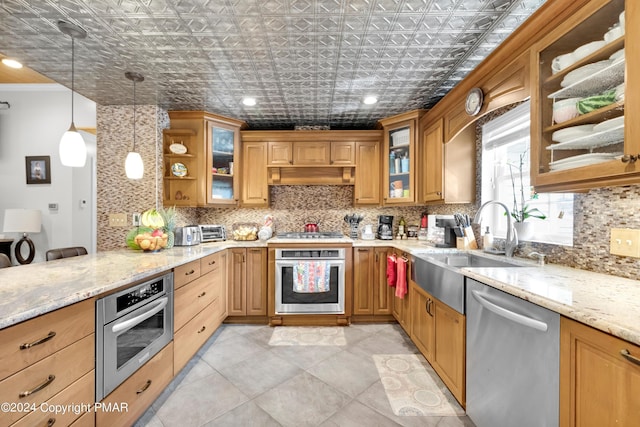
[131,327]
[310,281]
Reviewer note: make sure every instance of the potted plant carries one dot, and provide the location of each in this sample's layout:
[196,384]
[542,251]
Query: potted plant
[521,212]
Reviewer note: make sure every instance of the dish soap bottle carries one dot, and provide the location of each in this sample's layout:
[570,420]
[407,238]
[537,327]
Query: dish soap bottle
[487,240]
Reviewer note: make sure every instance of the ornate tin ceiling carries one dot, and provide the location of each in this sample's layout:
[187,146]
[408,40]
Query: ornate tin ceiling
[307,62]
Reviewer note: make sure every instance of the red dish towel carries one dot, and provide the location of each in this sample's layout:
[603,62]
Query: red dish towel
[401,282]
[391,270]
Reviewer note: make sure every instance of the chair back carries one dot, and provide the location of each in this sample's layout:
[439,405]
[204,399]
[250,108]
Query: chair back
[65,252]
[5,261]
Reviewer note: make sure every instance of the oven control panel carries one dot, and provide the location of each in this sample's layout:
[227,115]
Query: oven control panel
[142,293]
[310,253]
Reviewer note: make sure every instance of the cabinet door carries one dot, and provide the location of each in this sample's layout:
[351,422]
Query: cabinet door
[255,191]
[256,281]
[363,280]
[311,153]
[343,153]
[599,387]
[237,282]
[399,158]
[382,293]
[279,153]
[449,355]
[367,180]
[432,162]
[422,320]
[223,150]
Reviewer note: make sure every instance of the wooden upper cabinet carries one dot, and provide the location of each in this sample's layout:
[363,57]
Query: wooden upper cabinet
[343,153]
[399,158]
[311,153]
[280,153]
[255,189]
[621,143]
[212,159]
[431,160]
[367,183]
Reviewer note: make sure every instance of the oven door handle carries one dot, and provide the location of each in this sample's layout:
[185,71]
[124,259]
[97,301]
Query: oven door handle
[158,305]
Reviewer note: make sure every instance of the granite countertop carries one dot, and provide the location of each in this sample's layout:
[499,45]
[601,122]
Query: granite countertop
[608,303]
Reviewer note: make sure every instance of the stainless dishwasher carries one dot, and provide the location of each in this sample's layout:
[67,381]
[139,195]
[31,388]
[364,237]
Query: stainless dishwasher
[513,357]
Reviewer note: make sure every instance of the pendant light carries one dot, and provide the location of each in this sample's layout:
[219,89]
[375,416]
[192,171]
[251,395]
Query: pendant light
[133,166]
[73,151]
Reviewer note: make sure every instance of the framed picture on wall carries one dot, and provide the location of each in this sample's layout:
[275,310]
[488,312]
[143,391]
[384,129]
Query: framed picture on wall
[38,169]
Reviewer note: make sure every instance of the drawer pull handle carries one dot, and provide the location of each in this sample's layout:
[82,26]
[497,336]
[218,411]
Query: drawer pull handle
[37,342]
[189,273]
[144,387]
[631,358]
[202,294]
[202,329]
[212,262]
[46,382]
[50,422]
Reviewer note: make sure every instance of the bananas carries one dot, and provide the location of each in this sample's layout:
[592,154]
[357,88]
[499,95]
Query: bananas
[152,218]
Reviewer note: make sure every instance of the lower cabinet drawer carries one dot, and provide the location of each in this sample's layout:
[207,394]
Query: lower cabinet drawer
[132,398]
[47,377]
[189,300]
[87,420]
[210,262]
[33,340]
[195,333]
[65,407]
[185,273]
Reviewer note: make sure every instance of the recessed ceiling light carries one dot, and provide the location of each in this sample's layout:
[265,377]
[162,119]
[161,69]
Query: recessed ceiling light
[249,101]
[370,100]
[11,63]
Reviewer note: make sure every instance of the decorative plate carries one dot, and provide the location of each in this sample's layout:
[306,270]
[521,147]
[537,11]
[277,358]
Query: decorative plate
[178,148]
[178,169]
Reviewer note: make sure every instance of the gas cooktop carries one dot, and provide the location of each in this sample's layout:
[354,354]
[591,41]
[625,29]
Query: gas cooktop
[310,235]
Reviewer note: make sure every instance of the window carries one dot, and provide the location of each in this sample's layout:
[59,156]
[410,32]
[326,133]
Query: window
[505,146]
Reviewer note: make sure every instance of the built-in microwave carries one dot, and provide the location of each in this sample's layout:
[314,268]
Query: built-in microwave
[132,326]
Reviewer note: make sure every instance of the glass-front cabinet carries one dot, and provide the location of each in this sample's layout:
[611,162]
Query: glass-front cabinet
[399,158]
[202,159]
[223,184]
[581,119]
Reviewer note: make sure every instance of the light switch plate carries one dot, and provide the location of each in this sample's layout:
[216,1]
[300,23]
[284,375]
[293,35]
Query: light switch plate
[625,242]
[117,220]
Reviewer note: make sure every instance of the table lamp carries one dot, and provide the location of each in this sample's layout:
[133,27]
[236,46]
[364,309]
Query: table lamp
[23,221]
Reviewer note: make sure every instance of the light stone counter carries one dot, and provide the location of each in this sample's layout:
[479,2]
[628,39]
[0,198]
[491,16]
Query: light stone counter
[608,303]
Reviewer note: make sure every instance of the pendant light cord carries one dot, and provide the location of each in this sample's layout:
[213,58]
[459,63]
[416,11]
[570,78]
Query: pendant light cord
[134,115]
[72,77]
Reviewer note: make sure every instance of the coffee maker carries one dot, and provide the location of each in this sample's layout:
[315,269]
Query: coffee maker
[451,232]
[385,227]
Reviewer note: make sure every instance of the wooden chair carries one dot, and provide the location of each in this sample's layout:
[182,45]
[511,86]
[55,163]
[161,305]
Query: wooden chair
[65,252]
[5,261]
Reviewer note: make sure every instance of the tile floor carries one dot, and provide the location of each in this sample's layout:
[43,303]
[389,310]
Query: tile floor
[237,379]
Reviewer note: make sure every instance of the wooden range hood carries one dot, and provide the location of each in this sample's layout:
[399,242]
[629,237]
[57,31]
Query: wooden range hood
[311,157]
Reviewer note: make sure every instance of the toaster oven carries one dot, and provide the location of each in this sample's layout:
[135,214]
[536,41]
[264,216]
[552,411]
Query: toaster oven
[213,233]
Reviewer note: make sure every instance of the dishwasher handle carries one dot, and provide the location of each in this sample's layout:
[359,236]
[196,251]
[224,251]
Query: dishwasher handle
[508,314]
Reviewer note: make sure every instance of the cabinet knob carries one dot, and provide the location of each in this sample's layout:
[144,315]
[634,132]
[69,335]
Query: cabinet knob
[629,158]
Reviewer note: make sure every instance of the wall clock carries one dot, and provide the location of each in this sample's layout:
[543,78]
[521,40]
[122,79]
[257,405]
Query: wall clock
[474,100]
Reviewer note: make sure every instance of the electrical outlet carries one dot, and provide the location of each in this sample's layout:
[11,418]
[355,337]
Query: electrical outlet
[135,219]
[625,242]
[117,220]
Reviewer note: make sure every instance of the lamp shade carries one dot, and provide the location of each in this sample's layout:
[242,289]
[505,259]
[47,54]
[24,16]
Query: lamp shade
[133,166]
[22,221]
[73,151]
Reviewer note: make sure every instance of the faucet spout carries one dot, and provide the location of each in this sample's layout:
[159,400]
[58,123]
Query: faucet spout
[511,241]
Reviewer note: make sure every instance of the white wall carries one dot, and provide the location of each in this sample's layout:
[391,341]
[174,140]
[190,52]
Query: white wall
[38,117]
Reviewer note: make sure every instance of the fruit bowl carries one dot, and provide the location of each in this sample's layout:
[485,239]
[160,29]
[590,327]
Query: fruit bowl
[147,239]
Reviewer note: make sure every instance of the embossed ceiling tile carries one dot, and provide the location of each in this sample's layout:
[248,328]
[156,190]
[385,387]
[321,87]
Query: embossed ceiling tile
[243,7]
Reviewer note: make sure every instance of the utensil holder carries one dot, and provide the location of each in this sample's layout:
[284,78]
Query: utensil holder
[353,232]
